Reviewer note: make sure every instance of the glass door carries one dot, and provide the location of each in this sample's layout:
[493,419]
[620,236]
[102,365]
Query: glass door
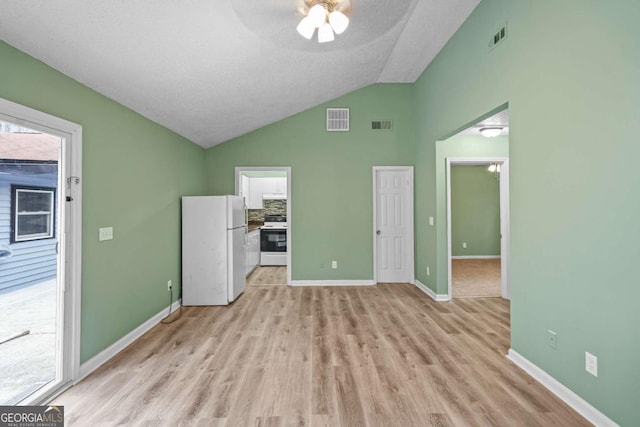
[32,297]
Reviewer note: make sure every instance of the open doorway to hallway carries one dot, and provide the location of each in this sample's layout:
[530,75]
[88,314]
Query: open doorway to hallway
[475,231]
[477,192]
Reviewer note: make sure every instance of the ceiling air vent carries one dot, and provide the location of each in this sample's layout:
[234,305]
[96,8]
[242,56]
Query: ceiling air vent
[381,125]
[338,119]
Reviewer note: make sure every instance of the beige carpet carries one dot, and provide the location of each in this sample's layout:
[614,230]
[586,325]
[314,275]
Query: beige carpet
[476,278]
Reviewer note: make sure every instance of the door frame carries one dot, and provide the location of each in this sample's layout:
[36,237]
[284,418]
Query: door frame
[287,169]
[70,267]
[504,216]
[410,208]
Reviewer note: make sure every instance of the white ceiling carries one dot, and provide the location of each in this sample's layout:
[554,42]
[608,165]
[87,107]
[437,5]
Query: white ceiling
[500,119]
[214,70]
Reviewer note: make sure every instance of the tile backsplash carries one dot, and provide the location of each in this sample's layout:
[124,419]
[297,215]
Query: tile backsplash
[271,207]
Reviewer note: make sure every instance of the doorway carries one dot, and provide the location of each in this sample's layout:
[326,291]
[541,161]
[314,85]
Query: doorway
[480,273]
[40,231]
[393,247]
[267,194]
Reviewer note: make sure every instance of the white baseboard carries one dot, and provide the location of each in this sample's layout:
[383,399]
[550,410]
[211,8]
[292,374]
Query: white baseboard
[580,405]
[101,358]
[332,283]
[476,257]
[436,297]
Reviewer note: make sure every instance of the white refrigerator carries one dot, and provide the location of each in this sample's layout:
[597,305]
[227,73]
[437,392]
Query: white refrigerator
[213,249]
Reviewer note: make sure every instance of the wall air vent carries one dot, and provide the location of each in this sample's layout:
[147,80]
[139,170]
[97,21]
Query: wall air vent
[338,119]
[381,125]
[499,36]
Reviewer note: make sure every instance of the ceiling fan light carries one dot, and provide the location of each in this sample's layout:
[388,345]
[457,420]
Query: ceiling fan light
[491,132]
[318,15]
[325,33]
[306,28]
[339,21]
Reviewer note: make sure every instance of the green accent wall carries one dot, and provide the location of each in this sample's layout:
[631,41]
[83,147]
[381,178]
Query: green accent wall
[569,73]
[134,173]
[331,176]
[475,211]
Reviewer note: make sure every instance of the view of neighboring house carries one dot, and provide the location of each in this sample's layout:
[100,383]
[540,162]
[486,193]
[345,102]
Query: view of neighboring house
[28,203]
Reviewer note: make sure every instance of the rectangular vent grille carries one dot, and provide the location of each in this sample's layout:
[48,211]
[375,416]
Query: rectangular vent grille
[381,125]
[498,37]
[338,119]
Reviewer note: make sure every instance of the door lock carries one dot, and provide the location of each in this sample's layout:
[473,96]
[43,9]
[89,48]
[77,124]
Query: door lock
[378,232]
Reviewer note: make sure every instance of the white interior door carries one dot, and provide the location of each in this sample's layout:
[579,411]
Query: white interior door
[393,188]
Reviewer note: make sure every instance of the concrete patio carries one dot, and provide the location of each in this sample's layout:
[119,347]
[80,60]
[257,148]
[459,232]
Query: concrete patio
[27,362]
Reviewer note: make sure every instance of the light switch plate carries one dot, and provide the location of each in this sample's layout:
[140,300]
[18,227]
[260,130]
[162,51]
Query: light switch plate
[106,233]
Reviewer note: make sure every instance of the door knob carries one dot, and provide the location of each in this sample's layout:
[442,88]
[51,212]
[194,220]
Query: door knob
[378,232]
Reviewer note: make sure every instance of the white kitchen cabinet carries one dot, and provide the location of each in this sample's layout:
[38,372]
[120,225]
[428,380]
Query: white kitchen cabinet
[259,186]
[244,189]
[281,185]
[256,188]
[253,251]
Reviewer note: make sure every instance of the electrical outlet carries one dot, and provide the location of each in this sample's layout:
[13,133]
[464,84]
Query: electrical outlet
[464,245]
[591,363]
[430,220]
[169,286]
[552,339]
[428,271]
[334,264]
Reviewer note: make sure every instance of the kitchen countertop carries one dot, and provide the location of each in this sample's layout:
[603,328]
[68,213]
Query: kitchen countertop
[254,225]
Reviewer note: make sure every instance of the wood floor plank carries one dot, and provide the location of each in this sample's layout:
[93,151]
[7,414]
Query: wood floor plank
[385,355]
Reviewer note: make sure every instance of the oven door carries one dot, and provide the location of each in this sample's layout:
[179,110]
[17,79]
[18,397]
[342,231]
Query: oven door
[273,240]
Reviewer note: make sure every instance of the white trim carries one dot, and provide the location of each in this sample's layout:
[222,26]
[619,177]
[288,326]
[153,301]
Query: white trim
[504,216]
[580,405]
[333,283]
[287,169]
[505,227]
[436,297]
[410,237]
[477,257]
[101,358]
[70,166]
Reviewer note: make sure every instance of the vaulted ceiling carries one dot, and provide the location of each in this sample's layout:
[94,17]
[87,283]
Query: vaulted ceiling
[214,70]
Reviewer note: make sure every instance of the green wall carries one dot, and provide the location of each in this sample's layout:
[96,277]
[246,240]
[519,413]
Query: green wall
[134,172]
[331,176]
[475,211]
[569,72]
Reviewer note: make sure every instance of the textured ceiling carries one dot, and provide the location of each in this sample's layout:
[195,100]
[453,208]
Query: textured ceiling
[214,70]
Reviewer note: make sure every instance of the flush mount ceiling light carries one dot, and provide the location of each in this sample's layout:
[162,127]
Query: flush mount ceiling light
[491,131]
[325,15]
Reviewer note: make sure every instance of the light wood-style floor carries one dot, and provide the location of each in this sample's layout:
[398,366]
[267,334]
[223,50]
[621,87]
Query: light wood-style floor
[383,355]
[268,275]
